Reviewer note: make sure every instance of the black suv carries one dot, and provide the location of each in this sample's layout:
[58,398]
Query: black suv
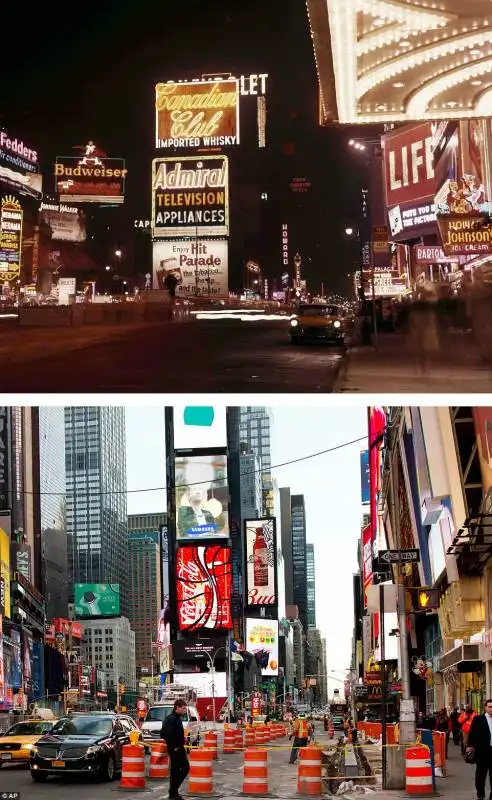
[85,744]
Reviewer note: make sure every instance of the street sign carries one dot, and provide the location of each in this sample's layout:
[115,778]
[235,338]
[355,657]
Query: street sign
[399,556]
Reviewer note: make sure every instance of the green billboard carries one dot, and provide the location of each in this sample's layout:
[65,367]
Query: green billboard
[97,599]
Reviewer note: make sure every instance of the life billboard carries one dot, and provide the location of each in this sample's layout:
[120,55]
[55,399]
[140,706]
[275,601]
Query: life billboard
[204,585]
[202,497]
[200,266]
[261,562]
[190,196]
[197,114]
[262,642]
[97,599]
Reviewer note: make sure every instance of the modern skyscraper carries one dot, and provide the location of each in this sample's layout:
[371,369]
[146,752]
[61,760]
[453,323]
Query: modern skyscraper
[251,486]
[255,428]
[54,577]
[96,516]
[299,566]
[144,584]
[311,586]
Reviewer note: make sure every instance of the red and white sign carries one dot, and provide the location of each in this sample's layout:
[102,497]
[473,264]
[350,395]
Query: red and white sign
[261,562]
[204,583]
[141,707]
[256,705]
[409,165]
[367,554]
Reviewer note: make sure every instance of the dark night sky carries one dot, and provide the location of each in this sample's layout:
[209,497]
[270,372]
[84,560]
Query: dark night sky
[77,72]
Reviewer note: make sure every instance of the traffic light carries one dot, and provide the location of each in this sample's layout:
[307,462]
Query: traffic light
[426,599]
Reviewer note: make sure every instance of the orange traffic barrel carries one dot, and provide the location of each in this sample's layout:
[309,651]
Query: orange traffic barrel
[133,768]
[210,742]
[250,737]
[418,771]
[229,740]
[309,771]
[201,780]
[159,761]
[260,734]
[255,779]
[239,739]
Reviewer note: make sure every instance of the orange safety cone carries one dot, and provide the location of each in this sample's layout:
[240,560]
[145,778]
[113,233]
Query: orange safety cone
[133,768]
[309,772]
[255,779]
[159,761]
[210,743]
[418,771]
[201,780]
[229,740]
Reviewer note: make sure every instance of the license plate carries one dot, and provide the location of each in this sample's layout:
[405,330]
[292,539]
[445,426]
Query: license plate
[6,756]
[57,763]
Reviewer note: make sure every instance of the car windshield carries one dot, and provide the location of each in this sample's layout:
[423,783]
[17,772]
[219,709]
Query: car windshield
[83,726]
[160,713]
[319,311]
[28,728]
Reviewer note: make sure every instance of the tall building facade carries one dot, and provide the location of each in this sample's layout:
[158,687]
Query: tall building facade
[145,589]
[109,646]
[255,428]
[54,561]
[311,586]
[96,515]
[251,486]
[299,565]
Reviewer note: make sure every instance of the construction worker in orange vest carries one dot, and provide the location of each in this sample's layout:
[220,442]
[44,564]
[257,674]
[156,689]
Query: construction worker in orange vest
[301,732]
[465,721]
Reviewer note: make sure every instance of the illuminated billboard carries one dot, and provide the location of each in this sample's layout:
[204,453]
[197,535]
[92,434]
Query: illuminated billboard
[66,223]
[201,266]
[199,427]
[204,583]
[197,114]
[202,497]
[93,178]
[11,220]
[190,196]
[97,599]
[261,562]
[395,61]
[19,166]
[262,641]
[5,573]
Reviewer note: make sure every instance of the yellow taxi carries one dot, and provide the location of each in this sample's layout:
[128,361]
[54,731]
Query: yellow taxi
[319,322]
[17,741]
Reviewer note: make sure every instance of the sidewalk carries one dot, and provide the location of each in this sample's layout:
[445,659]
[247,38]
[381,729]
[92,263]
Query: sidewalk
[456,368]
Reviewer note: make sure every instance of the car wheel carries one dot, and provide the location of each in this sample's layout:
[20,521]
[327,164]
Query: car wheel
[109,769]
[38,777]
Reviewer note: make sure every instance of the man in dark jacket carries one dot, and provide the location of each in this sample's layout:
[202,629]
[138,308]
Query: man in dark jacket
[172,732]
[480,743]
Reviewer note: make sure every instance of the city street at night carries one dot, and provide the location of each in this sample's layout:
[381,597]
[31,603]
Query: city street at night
[199,356]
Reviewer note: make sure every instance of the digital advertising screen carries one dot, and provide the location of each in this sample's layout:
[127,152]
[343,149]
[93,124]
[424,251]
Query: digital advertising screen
[199,427]
[204,583]
[262,641]
[97,599]
[261,562]
[202,497]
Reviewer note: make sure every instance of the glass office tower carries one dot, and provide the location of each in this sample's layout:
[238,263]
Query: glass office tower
[311,586]
[255,426]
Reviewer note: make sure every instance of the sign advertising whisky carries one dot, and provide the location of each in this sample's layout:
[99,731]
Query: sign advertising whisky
[197,114]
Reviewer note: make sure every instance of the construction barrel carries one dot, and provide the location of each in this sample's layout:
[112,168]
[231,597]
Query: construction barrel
[159,761]
[309,771]
[133,768]
[201,780]
[255,780]
[418,771]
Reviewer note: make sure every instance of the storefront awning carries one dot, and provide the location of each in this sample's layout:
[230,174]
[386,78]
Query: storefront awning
[465,658]
[399,61]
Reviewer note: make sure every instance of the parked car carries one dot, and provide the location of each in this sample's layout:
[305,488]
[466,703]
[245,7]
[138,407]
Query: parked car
[16,743]
[157,714]
[84,744]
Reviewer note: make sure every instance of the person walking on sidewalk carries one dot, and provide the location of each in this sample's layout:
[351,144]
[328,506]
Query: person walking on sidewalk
[301,732]
[455,726]
[479,745]
[172,732]
[466,720]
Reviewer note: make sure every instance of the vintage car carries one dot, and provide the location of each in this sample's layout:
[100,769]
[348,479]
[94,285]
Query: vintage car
[319,323]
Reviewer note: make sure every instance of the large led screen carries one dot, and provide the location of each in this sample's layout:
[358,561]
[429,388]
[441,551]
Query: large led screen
[202,497]
[97,599]
[204,582]
[199,427]
[262,641]
[261,562]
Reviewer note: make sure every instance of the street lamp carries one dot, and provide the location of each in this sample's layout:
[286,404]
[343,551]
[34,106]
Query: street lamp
[118,253]
[211,667]
[349,231]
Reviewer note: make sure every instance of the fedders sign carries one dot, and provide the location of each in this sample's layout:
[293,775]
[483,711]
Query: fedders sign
[409,164]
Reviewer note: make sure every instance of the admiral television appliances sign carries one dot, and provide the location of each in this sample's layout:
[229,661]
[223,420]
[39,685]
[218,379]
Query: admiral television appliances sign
[190,196]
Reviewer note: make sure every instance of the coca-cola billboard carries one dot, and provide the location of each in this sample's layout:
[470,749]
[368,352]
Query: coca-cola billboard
[261,561]
[204,583]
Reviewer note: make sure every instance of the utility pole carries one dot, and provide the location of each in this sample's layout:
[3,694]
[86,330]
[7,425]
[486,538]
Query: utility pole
[407,710]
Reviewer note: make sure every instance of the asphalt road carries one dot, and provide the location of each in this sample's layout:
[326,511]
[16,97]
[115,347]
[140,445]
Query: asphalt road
[196,356]
[228,774]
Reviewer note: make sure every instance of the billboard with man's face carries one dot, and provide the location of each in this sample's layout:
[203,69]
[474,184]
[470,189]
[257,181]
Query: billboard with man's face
[202,497]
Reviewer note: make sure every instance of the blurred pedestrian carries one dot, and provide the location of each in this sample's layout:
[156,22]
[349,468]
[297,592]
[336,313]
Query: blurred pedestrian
[455,726]
[422,330]
[479,748]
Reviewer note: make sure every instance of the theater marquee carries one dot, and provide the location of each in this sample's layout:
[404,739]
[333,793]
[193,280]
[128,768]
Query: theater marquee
[190,196]
[197,114]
